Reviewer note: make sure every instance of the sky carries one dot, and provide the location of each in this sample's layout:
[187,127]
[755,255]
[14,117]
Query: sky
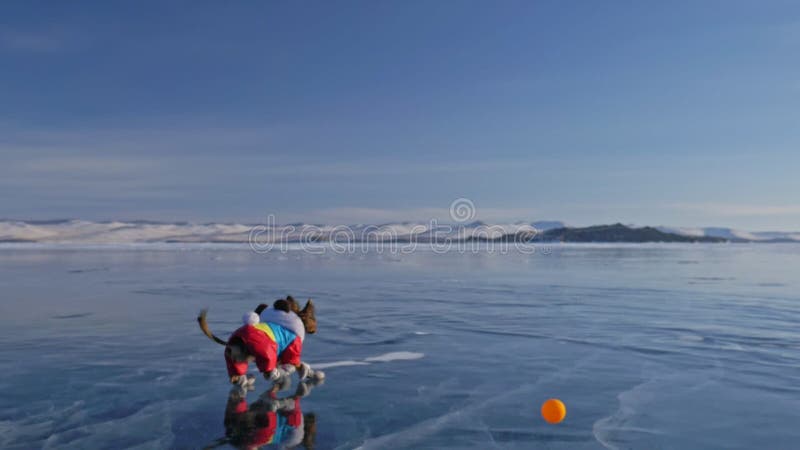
[649,113]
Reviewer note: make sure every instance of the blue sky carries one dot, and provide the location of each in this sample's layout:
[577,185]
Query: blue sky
[673,113]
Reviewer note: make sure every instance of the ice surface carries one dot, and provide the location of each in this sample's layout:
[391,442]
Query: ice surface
[345,363]
[386,357]
[395,356]
[650,346]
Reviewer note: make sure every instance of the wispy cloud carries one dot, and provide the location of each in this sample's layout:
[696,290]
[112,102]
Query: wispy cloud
[351,215]
[146,164]
[30,41]
[85,165]
[732,210]
[250,150]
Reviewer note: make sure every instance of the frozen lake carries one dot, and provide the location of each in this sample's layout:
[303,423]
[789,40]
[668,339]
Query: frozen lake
[649,346]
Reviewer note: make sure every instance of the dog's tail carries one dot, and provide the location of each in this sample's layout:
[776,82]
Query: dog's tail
[201,319]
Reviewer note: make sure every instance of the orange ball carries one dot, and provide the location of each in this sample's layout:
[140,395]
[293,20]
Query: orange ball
[554,410]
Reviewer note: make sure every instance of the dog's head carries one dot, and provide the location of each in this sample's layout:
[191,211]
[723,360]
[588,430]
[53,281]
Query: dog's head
[289,304]
[307,314]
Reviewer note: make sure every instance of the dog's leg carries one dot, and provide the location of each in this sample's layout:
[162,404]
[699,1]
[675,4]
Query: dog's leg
[280,378]
[304,371]
[243,380]
[288,369]
[242,384]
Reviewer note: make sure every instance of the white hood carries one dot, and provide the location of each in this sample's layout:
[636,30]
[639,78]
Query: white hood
[289,320]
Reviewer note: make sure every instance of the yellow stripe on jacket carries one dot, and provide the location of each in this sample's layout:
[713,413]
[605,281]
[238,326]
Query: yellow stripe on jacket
[266,329]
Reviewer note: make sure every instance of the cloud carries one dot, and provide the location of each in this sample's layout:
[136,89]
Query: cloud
[85,165]
[245,151]
[27,41]
[352,215]
[138,168]
[139,139]
[732,210]
[349,215]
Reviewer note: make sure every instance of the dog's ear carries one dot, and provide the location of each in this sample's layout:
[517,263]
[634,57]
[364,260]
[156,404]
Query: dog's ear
[293,305]
[282,305]
[309,317]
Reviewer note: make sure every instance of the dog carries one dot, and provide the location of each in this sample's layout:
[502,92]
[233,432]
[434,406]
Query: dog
[275,345]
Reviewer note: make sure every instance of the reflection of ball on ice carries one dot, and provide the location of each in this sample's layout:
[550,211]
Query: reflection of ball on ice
[553,410]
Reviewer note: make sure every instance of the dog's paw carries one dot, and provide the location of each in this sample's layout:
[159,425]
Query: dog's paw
[318,375]
[245,381]
[288,369]
[281,379]
[242,384]
[273,375]
[304,371]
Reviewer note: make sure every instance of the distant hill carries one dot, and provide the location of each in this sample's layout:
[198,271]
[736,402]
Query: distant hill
[545,225]
[618,233]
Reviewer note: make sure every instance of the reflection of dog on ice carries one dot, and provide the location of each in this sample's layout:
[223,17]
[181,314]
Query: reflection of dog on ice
[273,339]
[269,420]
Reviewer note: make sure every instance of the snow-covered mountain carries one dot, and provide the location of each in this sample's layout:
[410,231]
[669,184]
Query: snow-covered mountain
[81,231]
[119,232]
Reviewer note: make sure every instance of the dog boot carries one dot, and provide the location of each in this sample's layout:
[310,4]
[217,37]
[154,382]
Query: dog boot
[280,379]
[304,371]
[288,369]
[307,373]
[243,384]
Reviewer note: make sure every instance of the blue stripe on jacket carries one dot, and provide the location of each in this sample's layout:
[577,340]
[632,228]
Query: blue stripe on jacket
[283,337]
